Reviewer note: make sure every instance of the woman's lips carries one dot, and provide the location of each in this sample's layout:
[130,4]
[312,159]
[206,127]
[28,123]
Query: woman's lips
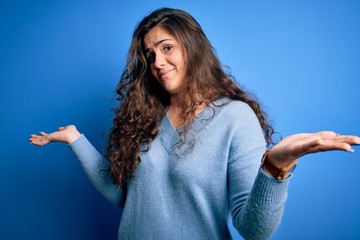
[162,73]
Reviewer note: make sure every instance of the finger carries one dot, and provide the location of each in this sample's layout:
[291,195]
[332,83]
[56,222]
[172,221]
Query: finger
[352,140]
[318,144]
[61,128]
[43,133]
[35,142]
[36,137]
[330,145]
[332,136]
[39,141]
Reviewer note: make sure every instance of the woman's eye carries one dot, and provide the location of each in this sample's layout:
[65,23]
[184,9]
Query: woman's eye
[167,48]
[151,58]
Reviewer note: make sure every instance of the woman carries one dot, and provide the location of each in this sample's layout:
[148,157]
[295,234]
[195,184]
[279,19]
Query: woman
[187,145]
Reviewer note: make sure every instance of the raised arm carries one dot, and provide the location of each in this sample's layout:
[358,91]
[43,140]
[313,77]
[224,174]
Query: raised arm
[285,154]
[256,197]
[94,165]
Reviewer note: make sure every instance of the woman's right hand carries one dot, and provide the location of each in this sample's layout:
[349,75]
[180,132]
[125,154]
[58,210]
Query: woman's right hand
[66,134]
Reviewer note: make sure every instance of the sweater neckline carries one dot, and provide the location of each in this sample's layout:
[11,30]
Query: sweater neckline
[170,136]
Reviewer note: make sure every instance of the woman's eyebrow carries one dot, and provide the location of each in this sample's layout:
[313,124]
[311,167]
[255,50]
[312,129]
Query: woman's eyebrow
[158,43]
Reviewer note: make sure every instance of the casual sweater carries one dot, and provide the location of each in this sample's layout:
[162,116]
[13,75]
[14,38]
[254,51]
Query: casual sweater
[189,190]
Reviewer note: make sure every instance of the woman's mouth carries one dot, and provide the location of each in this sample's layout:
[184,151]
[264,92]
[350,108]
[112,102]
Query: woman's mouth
[162,73]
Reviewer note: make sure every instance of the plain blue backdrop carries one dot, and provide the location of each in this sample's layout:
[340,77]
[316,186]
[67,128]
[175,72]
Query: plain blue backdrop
[60,61]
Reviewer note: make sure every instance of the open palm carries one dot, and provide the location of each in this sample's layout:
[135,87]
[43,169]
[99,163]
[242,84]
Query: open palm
[297,145]
[64,134]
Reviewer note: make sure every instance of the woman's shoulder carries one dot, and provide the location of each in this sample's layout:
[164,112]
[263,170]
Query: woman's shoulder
[233,108]
[238,121]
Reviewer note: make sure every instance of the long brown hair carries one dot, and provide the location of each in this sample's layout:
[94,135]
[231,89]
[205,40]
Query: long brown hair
[142,99]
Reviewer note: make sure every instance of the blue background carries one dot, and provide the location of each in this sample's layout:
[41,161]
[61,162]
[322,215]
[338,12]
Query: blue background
[61,60]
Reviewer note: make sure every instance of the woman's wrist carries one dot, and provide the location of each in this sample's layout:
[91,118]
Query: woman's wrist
[278,159]
[65,134]
[280,170]
[73,136]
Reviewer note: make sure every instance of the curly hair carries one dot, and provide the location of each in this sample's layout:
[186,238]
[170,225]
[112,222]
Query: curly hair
[142,100]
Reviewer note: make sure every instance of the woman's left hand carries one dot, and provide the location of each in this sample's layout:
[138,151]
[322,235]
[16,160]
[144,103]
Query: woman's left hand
[295,146]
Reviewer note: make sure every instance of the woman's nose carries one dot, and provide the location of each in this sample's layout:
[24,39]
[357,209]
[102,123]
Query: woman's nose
[159,61]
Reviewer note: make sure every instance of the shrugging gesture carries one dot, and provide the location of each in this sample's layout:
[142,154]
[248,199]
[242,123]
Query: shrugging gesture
[288,149]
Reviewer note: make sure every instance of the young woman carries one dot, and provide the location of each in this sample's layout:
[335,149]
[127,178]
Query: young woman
[188,146]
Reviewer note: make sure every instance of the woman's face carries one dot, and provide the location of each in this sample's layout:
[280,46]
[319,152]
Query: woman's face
[166,59]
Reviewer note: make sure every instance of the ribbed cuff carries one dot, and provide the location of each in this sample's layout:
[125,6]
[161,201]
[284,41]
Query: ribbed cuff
[269,190]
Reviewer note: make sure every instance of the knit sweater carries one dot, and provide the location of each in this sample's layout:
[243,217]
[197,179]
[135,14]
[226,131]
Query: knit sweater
[189,190]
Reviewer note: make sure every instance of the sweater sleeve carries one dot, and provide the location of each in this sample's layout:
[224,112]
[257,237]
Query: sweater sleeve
[97,169]
[256,200]
[264,208]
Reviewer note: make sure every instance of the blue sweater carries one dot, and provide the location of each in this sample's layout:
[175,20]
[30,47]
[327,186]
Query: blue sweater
[179,193]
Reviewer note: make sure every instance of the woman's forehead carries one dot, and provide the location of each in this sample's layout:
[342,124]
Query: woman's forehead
[156,36]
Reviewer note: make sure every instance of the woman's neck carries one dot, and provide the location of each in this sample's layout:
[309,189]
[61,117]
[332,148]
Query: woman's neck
[175,112]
